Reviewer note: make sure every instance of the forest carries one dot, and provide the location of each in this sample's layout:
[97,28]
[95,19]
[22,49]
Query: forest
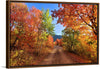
[32,35]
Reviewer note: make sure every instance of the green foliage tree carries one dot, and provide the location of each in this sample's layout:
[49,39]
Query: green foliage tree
[47,22]
[69,38]
[45,29]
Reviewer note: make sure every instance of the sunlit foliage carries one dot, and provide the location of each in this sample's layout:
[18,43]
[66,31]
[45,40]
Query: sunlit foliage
[30,31]
[80,34]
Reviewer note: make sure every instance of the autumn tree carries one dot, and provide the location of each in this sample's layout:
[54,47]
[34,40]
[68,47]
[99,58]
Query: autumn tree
[24,24]
[77,16]
[58,42]
[50,41]
[32,25]
[47,22]
[17,21]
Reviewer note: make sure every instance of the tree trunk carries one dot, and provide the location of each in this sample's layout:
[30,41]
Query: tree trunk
[13,45]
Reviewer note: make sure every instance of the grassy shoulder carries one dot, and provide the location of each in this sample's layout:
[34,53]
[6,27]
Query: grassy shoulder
[24,58]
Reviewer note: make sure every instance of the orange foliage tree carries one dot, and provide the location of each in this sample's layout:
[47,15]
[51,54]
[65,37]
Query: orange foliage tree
[77,16]
[17,21]
[50,41]
[24,25]
[58,42]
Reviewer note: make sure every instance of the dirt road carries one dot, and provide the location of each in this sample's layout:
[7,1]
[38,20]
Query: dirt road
[58,56]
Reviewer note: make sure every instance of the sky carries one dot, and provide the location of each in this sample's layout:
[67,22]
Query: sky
[58,27]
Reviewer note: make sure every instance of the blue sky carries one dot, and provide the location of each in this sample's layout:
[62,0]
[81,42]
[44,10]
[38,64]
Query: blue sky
[58,27]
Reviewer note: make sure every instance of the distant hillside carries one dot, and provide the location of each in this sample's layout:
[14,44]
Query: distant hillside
[56,37]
